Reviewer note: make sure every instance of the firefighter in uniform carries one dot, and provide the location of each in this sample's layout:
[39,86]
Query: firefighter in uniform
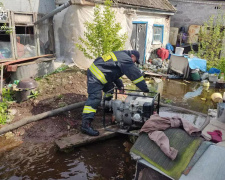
[104,74]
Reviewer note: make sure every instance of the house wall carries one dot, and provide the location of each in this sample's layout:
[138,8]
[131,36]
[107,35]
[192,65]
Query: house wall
[69,25]
[155,19]
[34,42]
[194,12]
[40,6]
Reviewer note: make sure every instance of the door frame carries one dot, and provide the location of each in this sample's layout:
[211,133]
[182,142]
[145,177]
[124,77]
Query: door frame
[143,22]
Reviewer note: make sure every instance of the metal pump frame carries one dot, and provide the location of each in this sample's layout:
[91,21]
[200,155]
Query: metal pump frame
[126,131]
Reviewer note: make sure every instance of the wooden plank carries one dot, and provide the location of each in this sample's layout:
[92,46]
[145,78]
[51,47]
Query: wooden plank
[81,139]
[155,74]
[7,144]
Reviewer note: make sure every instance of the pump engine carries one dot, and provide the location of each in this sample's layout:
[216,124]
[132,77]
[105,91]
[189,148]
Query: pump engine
[134,111]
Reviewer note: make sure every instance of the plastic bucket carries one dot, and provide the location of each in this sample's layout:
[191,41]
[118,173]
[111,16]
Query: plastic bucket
[179,50]
[195,76]
[221,112]
[213,78]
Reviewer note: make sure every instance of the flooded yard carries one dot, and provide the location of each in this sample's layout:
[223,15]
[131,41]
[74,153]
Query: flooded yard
[191,95]
[104,160]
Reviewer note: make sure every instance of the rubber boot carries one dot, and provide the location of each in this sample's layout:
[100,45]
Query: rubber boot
[87,129]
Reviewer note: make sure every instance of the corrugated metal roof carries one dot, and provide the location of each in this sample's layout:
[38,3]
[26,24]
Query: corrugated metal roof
[164,5]
[221,2]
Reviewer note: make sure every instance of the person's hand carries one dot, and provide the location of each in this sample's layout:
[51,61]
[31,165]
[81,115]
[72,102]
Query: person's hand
[121,91]
[145,94]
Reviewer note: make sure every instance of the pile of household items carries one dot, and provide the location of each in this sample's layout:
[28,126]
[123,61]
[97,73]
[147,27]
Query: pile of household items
[159,60]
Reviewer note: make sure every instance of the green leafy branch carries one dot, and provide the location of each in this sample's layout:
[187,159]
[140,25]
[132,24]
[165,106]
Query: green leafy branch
[211,37]
[102,35]
[6,28]
[34,94]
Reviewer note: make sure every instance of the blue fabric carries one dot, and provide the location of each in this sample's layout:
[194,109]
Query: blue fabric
[214,71]
[196,63]
[169,47]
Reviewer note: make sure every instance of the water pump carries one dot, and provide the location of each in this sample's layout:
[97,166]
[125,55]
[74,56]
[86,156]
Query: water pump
[134,110]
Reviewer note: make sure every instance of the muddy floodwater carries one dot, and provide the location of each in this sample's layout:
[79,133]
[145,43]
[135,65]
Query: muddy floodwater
[191,95]
[101,161]
[106,160]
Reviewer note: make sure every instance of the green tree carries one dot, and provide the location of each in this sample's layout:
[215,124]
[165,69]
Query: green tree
[102,35]
[211,40]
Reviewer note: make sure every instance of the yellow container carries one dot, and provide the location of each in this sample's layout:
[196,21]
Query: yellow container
[217,97]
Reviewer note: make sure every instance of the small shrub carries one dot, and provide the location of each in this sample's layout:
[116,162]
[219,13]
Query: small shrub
[211,37]
[168,101]
[221,65]
[7,96]
[3,111]
[102,34]
[34,94]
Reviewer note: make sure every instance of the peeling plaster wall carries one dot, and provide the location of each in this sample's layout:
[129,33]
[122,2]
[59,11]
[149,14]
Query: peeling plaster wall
[155,19]
[40,6]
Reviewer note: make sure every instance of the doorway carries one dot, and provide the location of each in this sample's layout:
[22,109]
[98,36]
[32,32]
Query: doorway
[139,38]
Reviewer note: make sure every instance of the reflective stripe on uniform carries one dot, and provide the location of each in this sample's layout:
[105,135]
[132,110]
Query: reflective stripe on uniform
[108,95]
[88,109]
[106,57]
[113,56]
[138,80]
[98,74]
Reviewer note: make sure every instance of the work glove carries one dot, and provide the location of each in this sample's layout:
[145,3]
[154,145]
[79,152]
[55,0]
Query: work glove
[121,91]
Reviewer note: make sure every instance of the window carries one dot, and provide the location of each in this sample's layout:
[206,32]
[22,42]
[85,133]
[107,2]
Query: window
[19,38]
[5,43]
[157,34]
[25,42]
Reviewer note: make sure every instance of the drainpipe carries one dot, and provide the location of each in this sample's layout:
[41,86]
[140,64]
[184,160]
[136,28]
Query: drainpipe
[57,10]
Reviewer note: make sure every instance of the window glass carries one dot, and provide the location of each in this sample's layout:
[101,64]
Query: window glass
[25,42]
[157,34]
[5,42]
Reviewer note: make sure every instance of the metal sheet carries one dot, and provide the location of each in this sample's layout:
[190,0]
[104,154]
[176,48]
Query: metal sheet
[180,65]
[159,4]
[210,166]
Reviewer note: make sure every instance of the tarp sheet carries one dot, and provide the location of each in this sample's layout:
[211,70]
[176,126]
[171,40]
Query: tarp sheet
[69,26]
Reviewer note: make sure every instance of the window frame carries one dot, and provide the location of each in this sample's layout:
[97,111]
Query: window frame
[14,24]
[162,35]
[9,22]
